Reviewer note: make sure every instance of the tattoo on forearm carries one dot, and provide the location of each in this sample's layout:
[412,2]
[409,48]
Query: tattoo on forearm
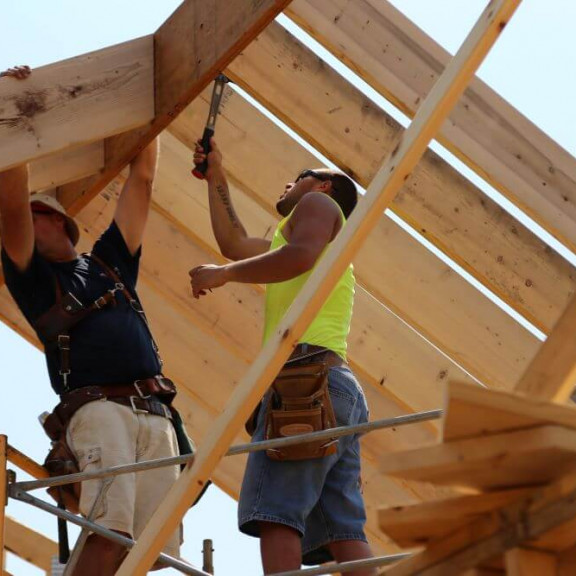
[225,198]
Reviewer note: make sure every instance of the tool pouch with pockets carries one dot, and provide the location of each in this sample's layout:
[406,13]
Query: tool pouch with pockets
[59,462]
[299,404]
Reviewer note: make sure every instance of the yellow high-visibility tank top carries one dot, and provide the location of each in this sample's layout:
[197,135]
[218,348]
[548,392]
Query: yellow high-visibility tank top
[331,326]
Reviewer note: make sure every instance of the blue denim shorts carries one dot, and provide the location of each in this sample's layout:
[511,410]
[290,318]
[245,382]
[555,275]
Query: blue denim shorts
[320,498]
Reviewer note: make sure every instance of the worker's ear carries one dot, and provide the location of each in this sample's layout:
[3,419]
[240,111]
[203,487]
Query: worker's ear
[325,186]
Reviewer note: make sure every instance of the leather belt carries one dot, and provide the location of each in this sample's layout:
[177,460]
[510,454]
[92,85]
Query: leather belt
[143,405]
[304,353]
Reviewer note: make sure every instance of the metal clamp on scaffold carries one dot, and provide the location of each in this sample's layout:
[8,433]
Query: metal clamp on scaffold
[200,169]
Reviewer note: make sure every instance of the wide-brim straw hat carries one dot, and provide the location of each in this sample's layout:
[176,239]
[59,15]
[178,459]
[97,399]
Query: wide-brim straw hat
[53,204]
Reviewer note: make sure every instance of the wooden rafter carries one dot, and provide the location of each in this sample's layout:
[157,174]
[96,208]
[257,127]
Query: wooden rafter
[401,62]
[440,203]
[30,545]
[380,193]
[191,47]
[76,101]
[552,373]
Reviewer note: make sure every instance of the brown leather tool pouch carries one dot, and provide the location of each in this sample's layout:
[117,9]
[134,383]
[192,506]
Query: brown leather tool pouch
[300,403]
[59,462]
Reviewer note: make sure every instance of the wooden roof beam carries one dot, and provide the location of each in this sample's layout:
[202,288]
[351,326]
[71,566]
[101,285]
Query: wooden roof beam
[402,62]
[30,545]
[381,192]
[552,373]
[190,48]
[443,206]
[76,101]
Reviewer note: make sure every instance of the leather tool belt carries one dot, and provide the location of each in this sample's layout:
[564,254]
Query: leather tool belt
[300,403]
[151,395]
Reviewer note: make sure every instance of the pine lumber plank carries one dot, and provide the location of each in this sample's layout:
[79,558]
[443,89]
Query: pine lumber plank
[490,536]
[76,101]
[471,411]
[405,276]
[419,524]
[29,544]
[401,62]
[437,201]
[67,166]
[511,459]
[380,194]
[526,562]
[190,48]
[552,373]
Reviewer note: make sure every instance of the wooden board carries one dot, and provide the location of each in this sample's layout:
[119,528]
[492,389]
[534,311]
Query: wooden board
[470,411]
[552,373]
[405,276]
[419,524]
[190,48]
[76,101]
[401,62]
[66,166]
[488,537]
[437,201]
[513,459]
[30,545]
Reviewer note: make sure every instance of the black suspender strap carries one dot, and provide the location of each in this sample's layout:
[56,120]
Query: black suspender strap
[132,299]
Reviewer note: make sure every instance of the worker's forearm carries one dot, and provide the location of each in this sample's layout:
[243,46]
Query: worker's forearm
[143,166]
[279,265]
[14,188]
[225,222]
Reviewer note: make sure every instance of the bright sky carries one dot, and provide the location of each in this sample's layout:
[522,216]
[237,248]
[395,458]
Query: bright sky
[531,66]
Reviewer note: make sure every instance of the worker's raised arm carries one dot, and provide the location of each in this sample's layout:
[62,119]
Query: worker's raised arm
[230,234]
[134,203]
[16,226]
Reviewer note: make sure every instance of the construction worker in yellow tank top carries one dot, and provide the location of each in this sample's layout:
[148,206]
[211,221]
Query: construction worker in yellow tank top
[311,510]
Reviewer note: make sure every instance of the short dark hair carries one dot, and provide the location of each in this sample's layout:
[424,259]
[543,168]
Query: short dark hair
[344,192]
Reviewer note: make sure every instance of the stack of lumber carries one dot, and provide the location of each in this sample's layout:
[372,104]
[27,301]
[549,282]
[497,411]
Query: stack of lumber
[513,461]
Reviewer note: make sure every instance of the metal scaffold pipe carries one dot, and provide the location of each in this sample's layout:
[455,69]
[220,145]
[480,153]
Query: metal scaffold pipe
[233,451]
[346,566]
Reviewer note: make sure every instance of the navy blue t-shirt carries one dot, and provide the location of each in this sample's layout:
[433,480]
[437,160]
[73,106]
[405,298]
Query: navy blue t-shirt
[110,346]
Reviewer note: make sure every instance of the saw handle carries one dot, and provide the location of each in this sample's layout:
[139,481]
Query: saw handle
[200,169]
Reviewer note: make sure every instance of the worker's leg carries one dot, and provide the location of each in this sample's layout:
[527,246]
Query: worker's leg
[349,550]
[280,548]
[100,557]
[156,440]
[103,434]
[275,501]
[335,527]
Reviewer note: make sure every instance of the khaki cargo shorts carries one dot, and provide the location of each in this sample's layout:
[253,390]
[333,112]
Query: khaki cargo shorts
[102,434]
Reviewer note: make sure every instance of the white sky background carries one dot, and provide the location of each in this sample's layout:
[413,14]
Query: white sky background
[531,66]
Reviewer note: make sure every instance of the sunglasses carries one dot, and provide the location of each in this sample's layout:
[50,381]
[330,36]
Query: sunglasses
[322,176]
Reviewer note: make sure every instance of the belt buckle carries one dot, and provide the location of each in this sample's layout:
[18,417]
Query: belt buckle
[134,408]
[140,393]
